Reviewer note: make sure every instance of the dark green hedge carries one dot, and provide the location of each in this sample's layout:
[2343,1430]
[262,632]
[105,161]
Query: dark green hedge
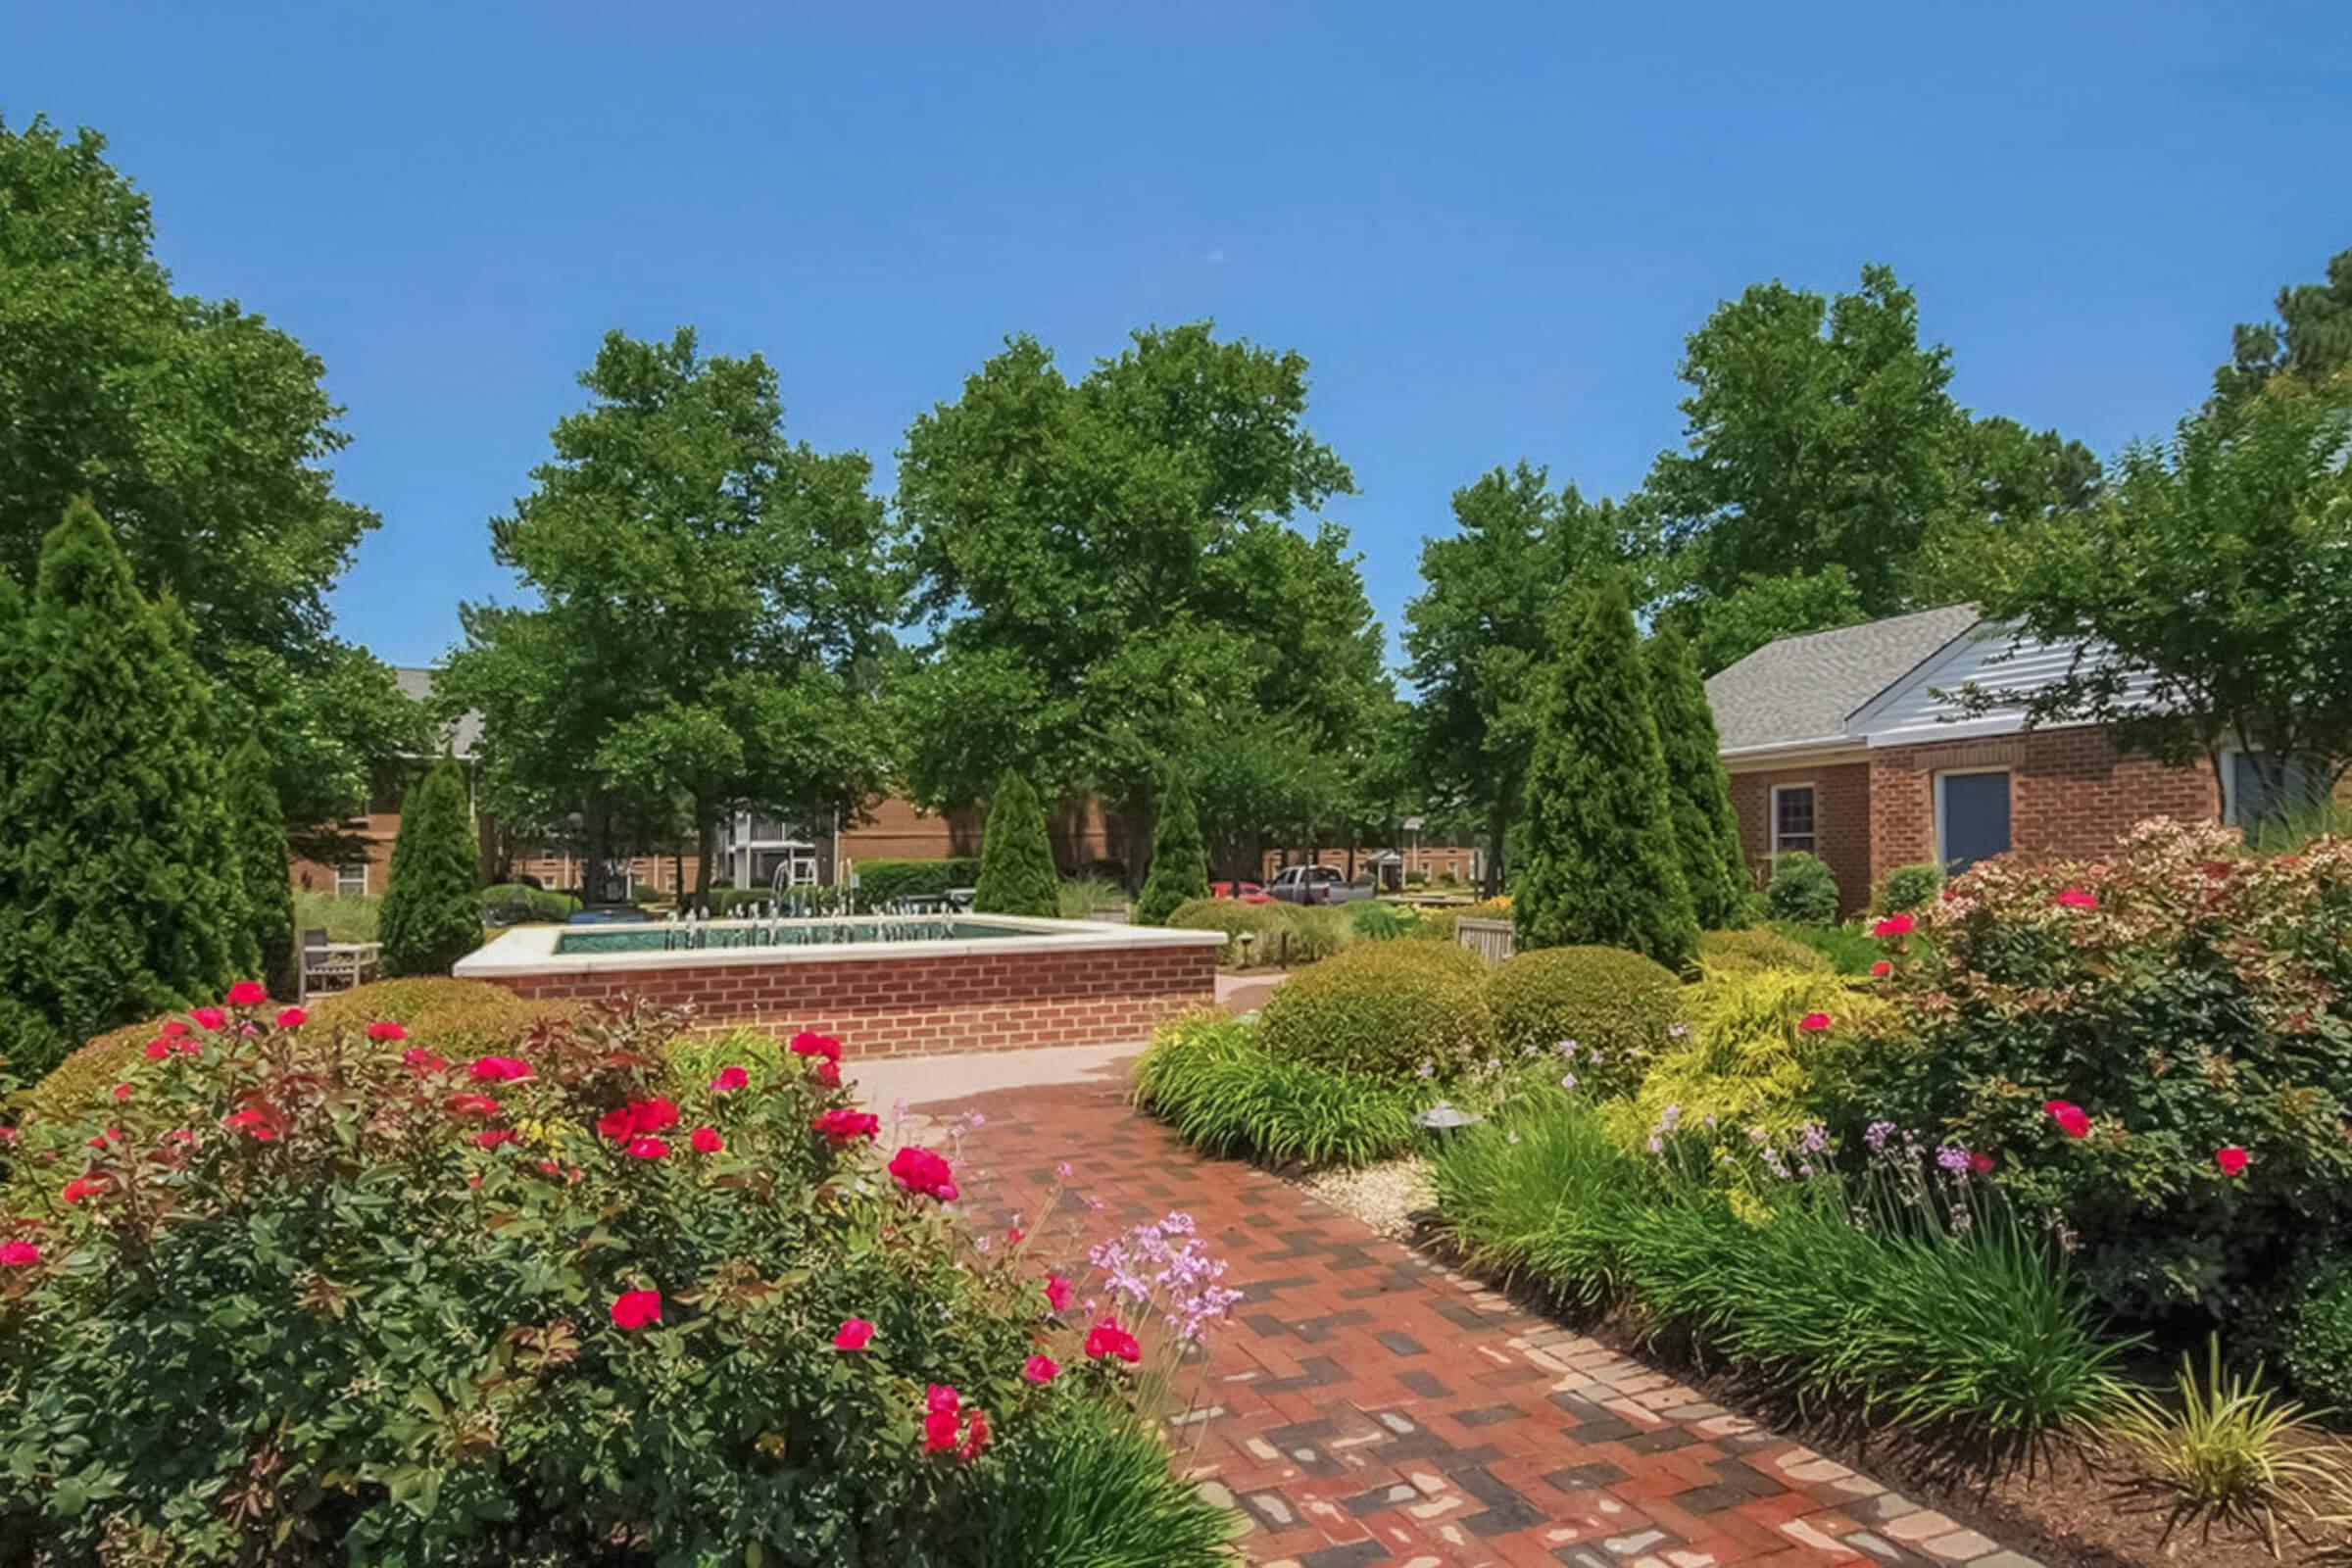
[880,881]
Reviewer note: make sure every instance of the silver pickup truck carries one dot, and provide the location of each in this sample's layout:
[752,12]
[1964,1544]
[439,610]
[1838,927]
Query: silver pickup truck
[1315,884]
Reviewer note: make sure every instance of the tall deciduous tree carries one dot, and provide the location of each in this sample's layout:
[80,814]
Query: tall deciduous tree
[1824,445]
[708,597]
[1017,858]
[2211,596]
[1479,634]
[203,434]
[261,829]
[1600,864]
[123,894]
[1706,833]
[1179,864]
[432,913]
[1120,582]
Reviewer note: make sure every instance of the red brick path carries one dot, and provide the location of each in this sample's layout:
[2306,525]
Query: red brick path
[1375,1409]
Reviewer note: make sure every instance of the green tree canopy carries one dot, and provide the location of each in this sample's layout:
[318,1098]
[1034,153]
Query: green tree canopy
[2311,339]
[1017,858]
[121,891]
[432,913]
[203,434]
[1119,583]
[1601,865]
[708,603]
[1179,864]
[1478,635]
[2211,594]
[1824,443]
[1706,833]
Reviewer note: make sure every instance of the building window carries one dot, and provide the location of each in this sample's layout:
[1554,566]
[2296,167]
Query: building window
[2256,789]
[1791,817]
[1971,816]
[350,879]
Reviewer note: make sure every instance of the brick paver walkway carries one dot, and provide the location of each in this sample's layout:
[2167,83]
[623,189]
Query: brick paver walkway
[1372,1407]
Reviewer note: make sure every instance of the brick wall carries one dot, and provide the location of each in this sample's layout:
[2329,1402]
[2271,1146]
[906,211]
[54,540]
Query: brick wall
[2070,793]
[1841,823]
[924,1006]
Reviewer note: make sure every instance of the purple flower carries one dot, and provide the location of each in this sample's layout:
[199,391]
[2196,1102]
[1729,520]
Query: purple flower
[1568,1080]
[1952,1158]
[1877,1134]
[1427,1069]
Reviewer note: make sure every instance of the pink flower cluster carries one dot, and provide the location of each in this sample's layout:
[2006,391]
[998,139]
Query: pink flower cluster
[1147,1263]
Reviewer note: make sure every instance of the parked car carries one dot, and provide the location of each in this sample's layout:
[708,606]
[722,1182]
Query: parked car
[1316,884]
[1241,892]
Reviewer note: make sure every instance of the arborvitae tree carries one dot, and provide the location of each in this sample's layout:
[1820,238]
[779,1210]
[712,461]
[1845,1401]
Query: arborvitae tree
[260,825]
[1016,859]
[1706,834]
[432,914]
[121,895]
[1179,862]
[1600,864]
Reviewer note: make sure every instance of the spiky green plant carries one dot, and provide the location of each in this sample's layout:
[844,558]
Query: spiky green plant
[1212,1079]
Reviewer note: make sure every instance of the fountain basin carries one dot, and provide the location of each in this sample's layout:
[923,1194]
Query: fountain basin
[882,985]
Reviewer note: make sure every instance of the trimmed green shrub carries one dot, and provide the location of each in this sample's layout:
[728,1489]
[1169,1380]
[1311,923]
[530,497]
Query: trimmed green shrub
[2178,1000]
[1384,1010]
[432,913]
[1179,862]
[122,892]
[1802,889]
[1599,863]
[260,825]
[1228,917]
[518,901]
[1615,1006]
[1212,1079]
[1017,858]
[473,1017]
[382,1257]
[2319,1337]
[1757,946]
[1706,833]
[885,881]
[1908,888]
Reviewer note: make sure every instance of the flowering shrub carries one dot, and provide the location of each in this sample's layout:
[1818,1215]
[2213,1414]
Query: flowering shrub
[300,1294]
[2157,1049]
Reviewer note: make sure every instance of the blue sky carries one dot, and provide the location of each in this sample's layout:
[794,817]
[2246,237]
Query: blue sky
[1488,227]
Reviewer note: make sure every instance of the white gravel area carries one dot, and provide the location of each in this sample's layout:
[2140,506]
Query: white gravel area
[1384,1197]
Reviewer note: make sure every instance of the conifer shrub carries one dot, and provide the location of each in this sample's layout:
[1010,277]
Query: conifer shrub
[1802,889]
[1179,861]
[1599,864]
[1706,832]
[1017,858]
[1756,947]
[261,826]
[1384,1010]
[120,893]
[433,912]
[1603,1009]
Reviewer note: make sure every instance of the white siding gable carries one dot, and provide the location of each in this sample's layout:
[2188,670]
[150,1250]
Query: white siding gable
[1924,706]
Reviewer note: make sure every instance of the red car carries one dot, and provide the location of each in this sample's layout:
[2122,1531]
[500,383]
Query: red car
[1244,892]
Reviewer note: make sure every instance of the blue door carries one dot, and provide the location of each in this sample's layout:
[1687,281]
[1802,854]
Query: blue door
[1975,817]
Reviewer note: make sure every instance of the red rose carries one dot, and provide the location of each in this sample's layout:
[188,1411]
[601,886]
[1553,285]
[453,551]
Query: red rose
[939,1397]
[499,1069]
[158,1049]
[706,1141]
[2068,1116]
[122,1090]
[2077,898]
[1107,1338]
[1040,1369]
[853,1334]
[247,994]
[1980,1162]
[1894,925]
[492,1136]
[1057,1292]
[1881,970]
[810,1043]
[261,1121]
[292,1019]
[2232,1159]
[939,1431]
[172,1026]
[1814,1022]
[18,1254]
[647,1148]
[843,1126]
[919,1170]
[81,1187]
[466,1102]
[828,1075]
[729,1080]
[210,1018]
[975,1438]
[420,1060]
[634,1309]
[384,1029]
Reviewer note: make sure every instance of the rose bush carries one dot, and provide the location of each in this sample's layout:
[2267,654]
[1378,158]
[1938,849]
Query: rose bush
[291,1294]
[2156,1051]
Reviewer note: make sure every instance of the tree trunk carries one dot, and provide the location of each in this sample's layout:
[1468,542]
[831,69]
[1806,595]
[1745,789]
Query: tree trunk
[706,820]
[1498,823]
[592,853]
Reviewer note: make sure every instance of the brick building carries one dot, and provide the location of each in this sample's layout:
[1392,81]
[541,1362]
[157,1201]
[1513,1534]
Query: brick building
[1851,744]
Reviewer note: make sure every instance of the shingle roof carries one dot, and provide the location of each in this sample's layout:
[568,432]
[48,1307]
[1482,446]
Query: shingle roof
[1803,689]
[416,684]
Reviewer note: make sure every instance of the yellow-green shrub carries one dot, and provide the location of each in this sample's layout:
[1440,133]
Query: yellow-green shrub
[452,1018]
[1384,1008]
[1284,934]
[89,1073]
[1437,919]
[1744,1056]
[1757,947]
[1615,1006]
